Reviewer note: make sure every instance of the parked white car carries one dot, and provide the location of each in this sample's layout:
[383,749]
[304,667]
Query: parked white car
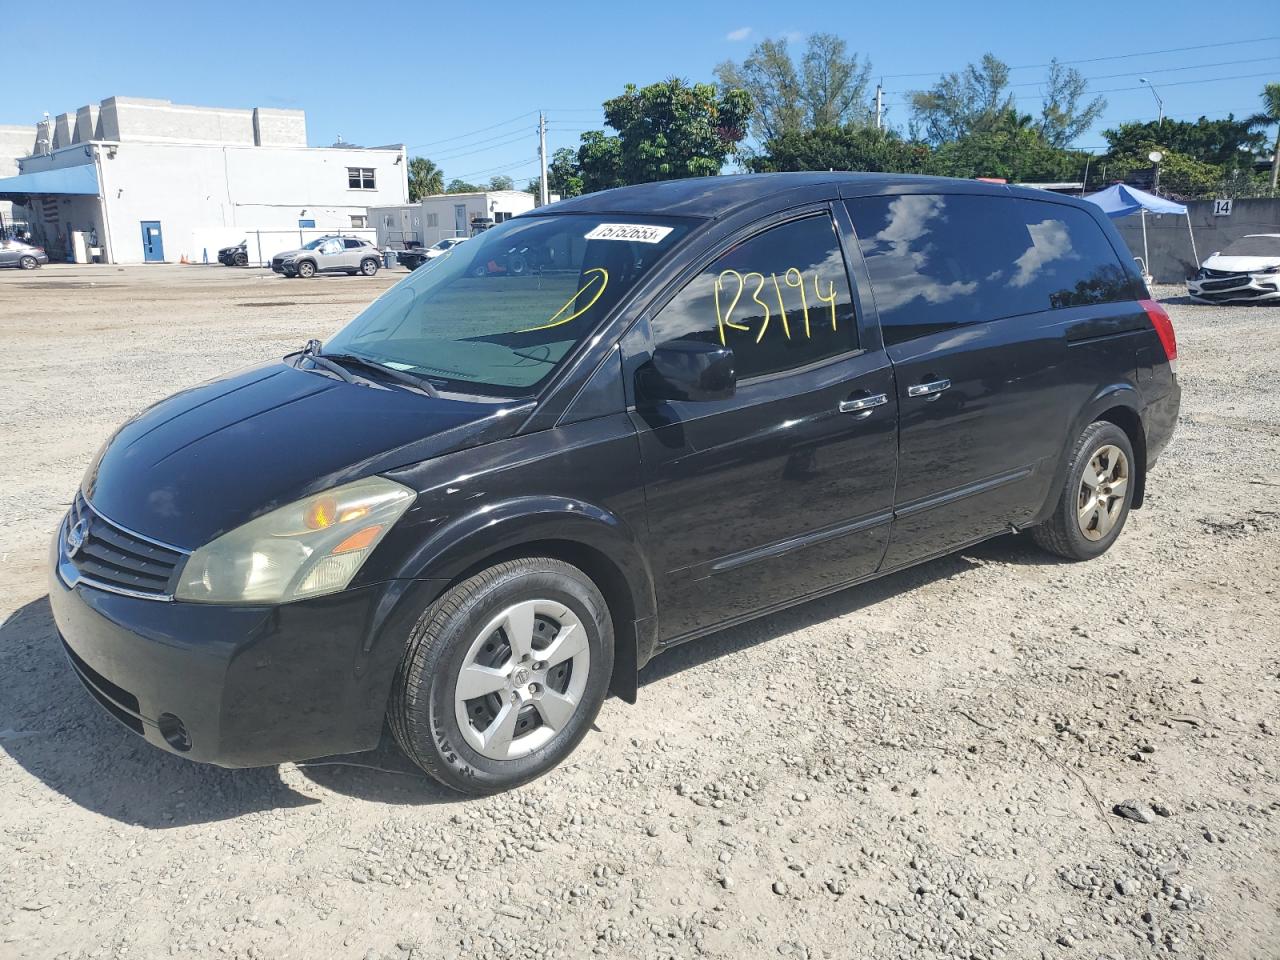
[443,247]
[1246,271]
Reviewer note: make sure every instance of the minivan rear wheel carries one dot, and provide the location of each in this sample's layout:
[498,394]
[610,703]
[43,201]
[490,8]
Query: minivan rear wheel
[503,675]
[1096,498]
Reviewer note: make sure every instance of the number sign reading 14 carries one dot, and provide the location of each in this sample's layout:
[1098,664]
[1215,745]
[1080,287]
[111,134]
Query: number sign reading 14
[728,294]
[1222,208]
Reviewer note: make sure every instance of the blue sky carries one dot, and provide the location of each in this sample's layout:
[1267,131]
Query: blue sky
[461,82]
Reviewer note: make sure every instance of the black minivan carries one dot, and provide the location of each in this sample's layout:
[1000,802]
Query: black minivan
[594,432]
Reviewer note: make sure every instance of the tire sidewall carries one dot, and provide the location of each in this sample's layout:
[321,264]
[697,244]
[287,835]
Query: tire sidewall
[304,267]
[1097,435]
[461,766]
[369,268]
[28,263]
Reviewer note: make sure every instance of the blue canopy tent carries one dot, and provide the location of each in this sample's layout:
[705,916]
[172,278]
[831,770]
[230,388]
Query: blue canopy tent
[1121,200]
[79,180]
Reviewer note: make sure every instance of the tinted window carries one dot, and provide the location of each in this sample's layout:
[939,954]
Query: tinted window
[938,262]
[352,244]
[780,300]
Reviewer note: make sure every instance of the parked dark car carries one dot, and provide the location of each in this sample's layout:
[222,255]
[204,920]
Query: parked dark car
[235,256]
[24,256]
[490,500]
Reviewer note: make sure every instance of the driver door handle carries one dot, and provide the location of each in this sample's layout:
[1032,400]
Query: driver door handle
[862,407]
[929,390]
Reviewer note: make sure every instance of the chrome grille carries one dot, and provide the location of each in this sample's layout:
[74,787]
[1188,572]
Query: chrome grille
[113,558]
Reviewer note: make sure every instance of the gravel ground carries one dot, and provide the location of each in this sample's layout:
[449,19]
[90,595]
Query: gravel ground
[928,766]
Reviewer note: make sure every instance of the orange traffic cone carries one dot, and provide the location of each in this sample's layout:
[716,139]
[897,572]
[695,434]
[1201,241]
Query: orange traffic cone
[184,259]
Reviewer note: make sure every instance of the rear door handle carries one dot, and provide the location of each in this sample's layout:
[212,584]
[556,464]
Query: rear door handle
[862,407]
[929,390]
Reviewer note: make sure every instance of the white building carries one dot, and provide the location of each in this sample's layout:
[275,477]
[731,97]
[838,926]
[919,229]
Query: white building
[444,215]
[149,180]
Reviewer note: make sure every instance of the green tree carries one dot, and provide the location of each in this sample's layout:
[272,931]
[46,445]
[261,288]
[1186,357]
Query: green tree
[850,147]
[1269,116]
[501,182]
[960,103]
[563,178]
[462,186]
[979,98]
[666,131]
[1010,146]
[827,88]
[1065,114]
[1181,176]
[425,178]
[599,161]
[1227,143]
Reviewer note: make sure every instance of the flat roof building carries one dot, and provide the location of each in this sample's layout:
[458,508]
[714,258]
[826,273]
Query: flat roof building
[151,181]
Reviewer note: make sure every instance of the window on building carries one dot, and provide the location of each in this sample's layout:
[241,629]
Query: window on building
[502,216]
[433,219]
[944,261]
[358,221]
[360,178]
[781,300]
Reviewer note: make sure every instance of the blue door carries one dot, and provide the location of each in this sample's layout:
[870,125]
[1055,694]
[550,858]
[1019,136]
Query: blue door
[152,242]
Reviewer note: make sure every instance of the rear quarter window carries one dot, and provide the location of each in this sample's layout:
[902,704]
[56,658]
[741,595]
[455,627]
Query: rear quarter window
[938,261]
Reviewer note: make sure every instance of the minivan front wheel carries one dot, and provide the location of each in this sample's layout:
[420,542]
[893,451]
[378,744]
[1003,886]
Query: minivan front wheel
[503,675]
[1096,498]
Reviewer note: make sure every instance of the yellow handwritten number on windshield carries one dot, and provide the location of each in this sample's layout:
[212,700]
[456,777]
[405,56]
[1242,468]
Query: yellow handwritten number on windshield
[591,287]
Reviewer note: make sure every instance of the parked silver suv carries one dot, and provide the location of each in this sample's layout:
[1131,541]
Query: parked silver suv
[329,255]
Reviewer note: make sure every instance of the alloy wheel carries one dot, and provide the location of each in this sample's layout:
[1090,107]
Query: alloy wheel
[522,679]
[1103,487]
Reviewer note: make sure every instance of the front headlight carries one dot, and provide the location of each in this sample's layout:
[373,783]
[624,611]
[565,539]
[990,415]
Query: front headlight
[309,548]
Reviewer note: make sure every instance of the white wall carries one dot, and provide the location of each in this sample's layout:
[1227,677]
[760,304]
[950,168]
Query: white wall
[193,188]
[485,204]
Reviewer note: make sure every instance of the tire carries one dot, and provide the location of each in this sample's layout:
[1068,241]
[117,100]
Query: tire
[480,271]
[470,627]
[1096,496]
[240,259]
[369,267]
[306,269]
[28,263]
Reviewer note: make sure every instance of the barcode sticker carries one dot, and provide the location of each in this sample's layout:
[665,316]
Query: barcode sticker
[635,232]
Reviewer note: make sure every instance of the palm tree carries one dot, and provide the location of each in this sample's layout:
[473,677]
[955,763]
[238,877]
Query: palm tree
[1271,114]
[425,178]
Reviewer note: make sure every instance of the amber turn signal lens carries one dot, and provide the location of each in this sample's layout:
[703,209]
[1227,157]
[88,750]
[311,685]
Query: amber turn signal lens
[359,540]
[321,513]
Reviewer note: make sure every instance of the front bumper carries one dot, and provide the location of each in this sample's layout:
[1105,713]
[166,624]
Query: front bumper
[1238,288]
[230,685]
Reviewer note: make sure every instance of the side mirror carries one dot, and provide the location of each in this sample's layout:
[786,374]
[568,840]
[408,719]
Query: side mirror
[689,370]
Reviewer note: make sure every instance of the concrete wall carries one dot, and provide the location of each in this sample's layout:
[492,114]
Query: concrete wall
[161,121]
[1170,247]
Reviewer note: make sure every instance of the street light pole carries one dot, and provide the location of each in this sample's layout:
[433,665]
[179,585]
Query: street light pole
[1159,102]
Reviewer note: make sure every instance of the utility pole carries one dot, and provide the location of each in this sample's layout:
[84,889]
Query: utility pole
[1159,102]
[542,158]
[879,104]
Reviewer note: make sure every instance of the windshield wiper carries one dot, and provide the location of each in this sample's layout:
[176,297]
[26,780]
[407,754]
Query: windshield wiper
[333,361]
[312,352]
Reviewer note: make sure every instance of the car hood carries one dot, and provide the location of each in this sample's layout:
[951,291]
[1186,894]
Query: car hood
[208,459]
[1240,264]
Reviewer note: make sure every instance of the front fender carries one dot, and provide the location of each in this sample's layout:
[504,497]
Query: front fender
[470,540]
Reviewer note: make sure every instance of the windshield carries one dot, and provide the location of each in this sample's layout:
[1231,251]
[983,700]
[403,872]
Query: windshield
[499,313]
[1255,246]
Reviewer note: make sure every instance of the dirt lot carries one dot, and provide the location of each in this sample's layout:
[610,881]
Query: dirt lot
[923,767]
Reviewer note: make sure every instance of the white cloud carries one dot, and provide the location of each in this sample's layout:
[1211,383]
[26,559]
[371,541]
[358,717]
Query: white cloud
[740,34]
[1049,242]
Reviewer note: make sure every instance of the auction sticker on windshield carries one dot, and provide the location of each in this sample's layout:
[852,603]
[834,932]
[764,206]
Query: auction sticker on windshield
[637,232]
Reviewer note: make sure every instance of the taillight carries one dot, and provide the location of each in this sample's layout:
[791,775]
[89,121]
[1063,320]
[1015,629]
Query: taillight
[1164,330]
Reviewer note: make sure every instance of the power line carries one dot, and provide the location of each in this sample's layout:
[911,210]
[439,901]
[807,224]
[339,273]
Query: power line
[469,152]
[1117,56]
[504,168]
[463,136]
[1134,73]
[906,100]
